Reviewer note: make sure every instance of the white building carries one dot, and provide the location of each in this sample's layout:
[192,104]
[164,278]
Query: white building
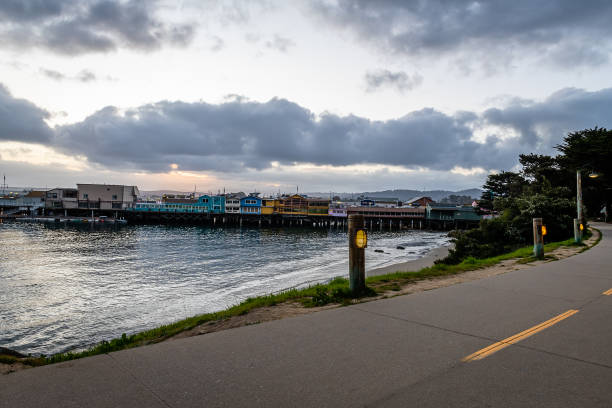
[106,196]
[232,203]
[61,198]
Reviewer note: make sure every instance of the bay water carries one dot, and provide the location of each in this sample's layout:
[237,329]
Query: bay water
[66,287]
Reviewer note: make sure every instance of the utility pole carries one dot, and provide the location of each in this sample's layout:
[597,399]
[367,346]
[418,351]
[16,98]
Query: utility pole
[578,221]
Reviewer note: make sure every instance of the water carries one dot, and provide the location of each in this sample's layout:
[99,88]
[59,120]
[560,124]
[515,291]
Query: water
[64,288]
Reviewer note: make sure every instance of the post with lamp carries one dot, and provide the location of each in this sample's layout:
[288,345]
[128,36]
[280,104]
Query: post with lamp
[579,221]
[358,241]
[539,231]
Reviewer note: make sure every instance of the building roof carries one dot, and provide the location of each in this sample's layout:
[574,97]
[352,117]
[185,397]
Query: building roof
[35,194]
[415,199]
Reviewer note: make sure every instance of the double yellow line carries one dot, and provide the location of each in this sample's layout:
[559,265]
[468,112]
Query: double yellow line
[495,347]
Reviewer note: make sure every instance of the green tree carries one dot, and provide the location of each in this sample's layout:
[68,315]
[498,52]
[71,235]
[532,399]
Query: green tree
[590,150]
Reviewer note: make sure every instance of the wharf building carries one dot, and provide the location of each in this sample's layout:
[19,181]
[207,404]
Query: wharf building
[29,202]
[300,210]
[121,201]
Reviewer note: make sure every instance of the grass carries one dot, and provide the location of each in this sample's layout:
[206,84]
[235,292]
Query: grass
[336,291]
[525,255]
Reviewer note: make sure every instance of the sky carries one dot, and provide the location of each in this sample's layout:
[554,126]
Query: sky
[269,96]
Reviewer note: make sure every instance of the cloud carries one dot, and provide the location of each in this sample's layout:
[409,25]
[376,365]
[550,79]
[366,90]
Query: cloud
[280,43]
[542,124]
[562,32]
[383,78]
[83,76]
[22,121]
[73,27]
[241,135]
[86,76]
[217,43]
[52,74]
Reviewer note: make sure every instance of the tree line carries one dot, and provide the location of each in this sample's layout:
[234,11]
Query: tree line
[544,187]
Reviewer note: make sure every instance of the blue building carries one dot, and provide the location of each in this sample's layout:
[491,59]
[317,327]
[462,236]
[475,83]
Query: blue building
[214,204]
[250,205]
[205,204]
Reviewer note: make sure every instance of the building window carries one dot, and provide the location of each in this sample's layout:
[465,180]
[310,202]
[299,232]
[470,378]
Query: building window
[116,205]
[114,196]
[85,196]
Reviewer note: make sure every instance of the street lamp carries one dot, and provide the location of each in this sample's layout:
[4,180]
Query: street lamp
[578,224]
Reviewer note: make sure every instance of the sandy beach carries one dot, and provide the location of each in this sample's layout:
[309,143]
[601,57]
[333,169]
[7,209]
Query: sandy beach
[414,265]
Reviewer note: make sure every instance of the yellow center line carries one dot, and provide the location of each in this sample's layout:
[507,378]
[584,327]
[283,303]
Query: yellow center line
[608,292]
[495,347]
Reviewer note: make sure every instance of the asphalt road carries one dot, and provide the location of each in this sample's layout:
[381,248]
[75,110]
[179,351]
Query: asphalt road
[404,351]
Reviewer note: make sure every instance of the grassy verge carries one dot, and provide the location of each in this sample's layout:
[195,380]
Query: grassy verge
[394,281]
[336,291]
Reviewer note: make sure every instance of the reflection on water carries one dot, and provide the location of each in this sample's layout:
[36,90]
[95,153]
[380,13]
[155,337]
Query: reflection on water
[67,287]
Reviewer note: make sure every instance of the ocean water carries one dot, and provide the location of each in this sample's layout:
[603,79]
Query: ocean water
[65,288]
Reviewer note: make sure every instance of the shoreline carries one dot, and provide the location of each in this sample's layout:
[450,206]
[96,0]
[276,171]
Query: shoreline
[413,265]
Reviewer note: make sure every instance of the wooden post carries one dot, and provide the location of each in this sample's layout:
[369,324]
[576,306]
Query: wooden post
[356,255]
[538,239]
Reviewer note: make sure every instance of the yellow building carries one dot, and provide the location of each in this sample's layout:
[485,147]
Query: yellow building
[268,206]
[318,207]
[293,205]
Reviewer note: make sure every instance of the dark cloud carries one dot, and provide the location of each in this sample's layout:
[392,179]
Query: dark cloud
[383,78]
[78,27]
[237,135]
[565,32]
[22,121]
[279,43]
[32,10]
[541,125]
[240,134]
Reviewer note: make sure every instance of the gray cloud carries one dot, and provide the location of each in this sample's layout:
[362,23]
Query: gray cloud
[240,134]
[52,74]
[83,76]
[217,43]
[86,76]
[76,27]
[22,121]
[280,43]
[560,31]
[540,125]
[383,78]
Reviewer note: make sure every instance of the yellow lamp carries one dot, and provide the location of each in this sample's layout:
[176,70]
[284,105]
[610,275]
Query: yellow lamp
[581,227]
[361,239]
[544,230]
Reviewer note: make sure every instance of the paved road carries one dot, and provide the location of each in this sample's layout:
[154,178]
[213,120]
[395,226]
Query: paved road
[405,351]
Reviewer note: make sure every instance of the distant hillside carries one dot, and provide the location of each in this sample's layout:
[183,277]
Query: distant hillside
[405,195]
[402,195]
